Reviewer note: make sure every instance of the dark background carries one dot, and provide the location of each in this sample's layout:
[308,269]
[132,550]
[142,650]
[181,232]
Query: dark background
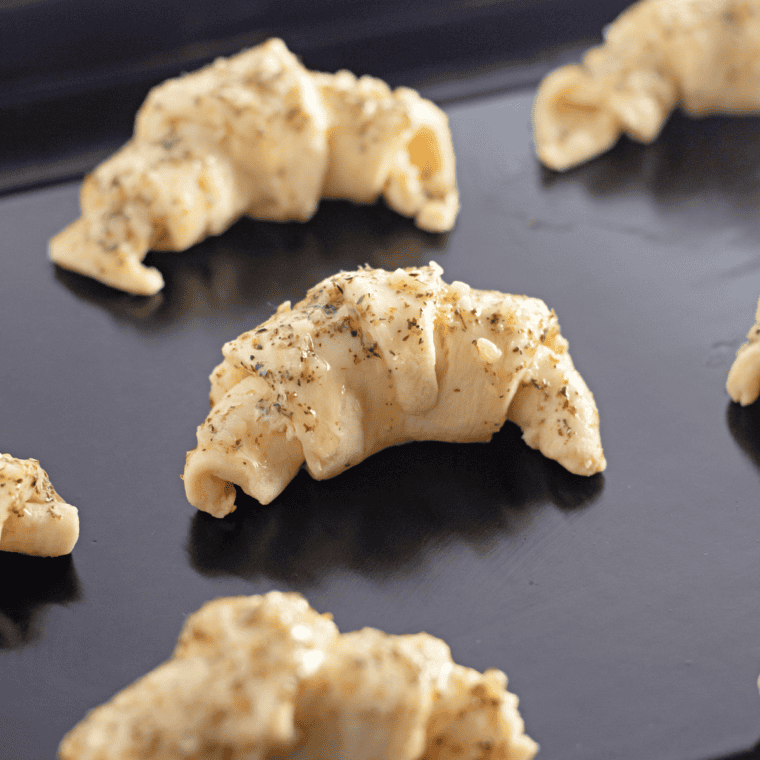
[74,72]
[624,608]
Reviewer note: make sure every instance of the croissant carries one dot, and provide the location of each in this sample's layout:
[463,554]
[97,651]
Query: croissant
[700,54]
[34,519]
[256,134]
[267,677]
[743,384]
[373,358]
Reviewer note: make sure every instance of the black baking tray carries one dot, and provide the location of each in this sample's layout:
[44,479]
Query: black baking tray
[623,607]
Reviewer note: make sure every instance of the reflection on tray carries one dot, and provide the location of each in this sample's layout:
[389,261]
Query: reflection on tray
[29,583]
[242,267]
[744,424]
[379,517]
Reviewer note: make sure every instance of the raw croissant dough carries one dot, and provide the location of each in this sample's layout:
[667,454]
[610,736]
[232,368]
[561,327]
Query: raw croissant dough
[267,677]
[743,383]
[34,519]
[256,134]
[701,54]
[373,358]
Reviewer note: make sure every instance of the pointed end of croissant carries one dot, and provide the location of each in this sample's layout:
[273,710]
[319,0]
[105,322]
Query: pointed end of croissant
[211,475]
[205,489]
[41,530]
[73,248]
[743,384]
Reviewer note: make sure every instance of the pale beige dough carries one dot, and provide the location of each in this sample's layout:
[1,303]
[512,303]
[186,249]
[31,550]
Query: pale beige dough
[266,677]
[256,134]
[743,384]
[373,358]
[34,519]
[391,143]
[703,55]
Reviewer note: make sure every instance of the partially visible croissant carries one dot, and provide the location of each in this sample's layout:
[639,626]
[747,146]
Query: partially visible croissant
[256,134]
[743,384]
[703,55]
[34,519]
[267,678]
[373,358]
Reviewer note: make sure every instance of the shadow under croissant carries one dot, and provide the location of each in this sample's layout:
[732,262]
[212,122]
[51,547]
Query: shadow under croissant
[744,424]
[31,583]
[379,517]
[750,754]
[260,264]
[717,156]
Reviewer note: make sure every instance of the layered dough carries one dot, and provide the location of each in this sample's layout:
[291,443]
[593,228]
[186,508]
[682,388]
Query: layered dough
[266,677]
[373,358]
[743,384]
[703,55]
[256,134]
[34,519]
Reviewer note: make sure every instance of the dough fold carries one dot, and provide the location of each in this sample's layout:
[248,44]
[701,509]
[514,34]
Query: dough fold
[267,677]
[703,55]
[256,134]
[373,358]
[743,384]
[34,519]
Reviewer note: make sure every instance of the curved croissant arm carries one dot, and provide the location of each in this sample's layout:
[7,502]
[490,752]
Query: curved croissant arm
[743,384]
[372,358]
[244,135]
[34,519]
[163,196]
[267,677]
[390,143]
[255,134]
[658,54]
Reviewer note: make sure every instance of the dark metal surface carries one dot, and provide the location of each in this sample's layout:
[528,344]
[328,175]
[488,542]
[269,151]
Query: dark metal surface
[73,72]
[624,608]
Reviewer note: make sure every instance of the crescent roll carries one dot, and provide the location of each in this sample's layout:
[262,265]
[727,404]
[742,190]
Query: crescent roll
[267,678]
[34,519]
[703,55]
[743,384]
[255,134]
[373,358]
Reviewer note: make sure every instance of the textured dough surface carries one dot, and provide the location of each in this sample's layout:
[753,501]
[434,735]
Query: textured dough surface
[256,134]
[743,384]
[267,677]
[374,358]
[703,55]
[34,519]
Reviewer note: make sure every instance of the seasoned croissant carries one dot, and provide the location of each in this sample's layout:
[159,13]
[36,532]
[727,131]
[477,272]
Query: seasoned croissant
[267,677]
[372,358]
[743,384]
[701,54]
[255,134]
[34,519]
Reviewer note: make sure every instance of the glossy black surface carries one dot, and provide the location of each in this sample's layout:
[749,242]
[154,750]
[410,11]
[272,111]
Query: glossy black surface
[73,72]
[624,608]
